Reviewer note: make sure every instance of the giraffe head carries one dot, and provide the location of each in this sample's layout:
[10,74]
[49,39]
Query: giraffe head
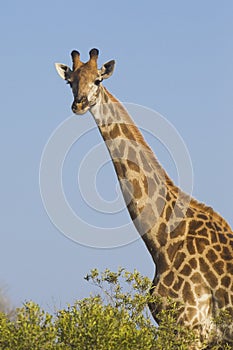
[85,79]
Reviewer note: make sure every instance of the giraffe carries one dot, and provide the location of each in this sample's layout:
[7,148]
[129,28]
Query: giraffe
[191,245]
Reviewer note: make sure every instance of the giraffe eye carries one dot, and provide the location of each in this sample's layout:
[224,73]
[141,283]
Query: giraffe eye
[98,81]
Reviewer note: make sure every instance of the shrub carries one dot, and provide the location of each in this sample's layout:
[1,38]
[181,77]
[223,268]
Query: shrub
[116,318]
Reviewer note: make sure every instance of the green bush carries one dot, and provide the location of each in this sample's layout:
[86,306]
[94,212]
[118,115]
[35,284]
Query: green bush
[117,318]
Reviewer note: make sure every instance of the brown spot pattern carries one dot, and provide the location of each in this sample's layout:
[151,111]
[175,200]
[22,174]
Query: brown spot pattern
[186,270]
[190,246]
[211,256]
[144,162]
[133,166]
[219,267]
[188,296]
[127,132]
[115,132]
[193,263]
[168,279]
[137,193]
[201,244]
[226,281]
[212,279]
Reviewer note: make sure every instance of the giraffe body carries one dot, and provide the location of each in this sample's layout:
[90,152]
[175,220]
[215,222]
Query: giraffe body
[190,244]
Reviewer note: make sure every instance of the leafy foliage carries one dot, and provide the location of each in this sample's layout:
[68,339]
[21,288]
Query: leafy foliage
[220,322]
[115,318]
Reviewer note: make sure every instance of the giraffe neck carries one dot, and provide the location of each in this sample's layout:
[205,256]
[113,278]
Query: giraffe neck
[190,244]
[145,185]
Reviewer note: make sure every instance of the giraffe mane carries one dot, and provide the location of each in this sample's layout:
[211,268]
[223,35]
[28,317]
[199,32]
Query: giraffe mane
[211,212]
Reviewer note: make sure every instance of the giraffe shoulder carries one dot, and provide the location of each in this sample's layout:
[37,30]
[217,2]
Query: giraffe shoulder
[202,208]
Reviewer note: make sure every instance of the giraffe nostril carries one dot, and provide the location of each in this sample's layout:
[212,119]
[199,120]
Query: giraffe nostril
[82,99]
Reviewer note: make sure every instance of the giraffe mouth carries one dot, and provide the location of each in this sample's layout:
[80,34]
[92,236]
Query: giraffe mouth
[82,107]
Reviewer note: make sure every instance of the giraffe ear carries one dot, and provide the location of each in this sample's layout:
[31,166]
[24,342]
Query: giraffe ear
[63,70]
[107,69]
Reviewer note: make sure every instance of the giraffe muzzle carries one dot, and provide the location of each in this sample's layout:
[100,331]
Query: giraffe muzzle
[80,106]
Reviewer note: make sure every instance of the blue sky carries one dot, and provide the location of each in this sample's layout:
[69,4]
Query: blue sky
[175,57]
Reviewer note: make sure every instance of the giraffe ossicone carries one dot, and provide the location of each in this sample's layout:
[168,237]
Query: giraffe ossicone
[190,244]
